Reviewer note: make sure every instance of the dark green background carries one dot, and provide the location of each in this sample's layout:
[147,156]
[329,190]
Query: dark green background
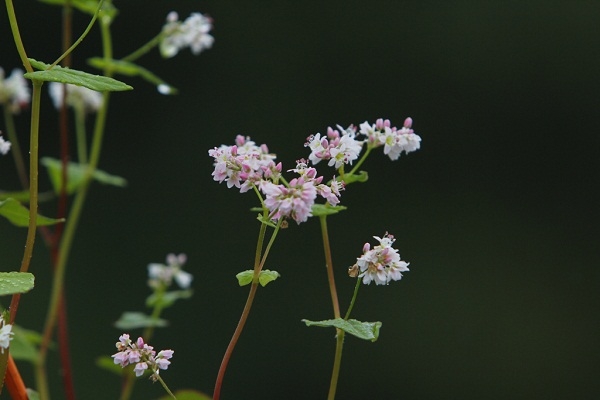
[497,212]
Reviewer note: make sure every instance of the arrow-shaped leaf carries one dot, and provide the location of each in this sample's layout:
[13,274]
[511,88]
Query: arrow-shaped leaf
[362,330]
[18,214]
[74,77]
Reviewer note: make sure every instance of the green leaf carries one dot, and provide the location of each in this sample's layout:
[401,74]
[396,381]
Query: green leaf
[75,77]
[245,277]
[362,177]
[15,282]
[107,363]
[131,69]
[24,345]
[187,394]
[362,330]
[86,6]
[318,210]
[168,298]
[266,220]
[76,175]
[32,394]
[23,196]
[133,320]
[18,214]
[265,276]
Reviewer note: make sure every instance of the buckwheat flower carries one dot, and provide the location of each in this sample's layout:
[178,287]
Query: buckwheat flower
[163,275]
[78,97]
[142,355]
[381,264]
[294,201]
[339,146]
[192,33]
[244,164]
[14,91]
[394,140]
[6,335]
[4,145]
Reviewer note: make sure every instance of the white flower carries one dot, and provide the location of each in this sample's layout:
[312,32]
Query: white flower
[394,140]
[192,33]
[78,97]
[338,148]
[381,264]
[161,274]
[14,91]
[6,335]
[4,146]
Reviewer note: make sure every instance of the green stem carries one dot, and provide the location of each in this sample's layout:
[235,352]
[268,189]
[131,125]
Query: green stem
[83,35]
[337,362]
[33,190]
[152,43]
[164,385]
[14,26]
[336,309]
[15,147]
[259,262]
[329,265]
[362,160]
[81,136]
[358,281]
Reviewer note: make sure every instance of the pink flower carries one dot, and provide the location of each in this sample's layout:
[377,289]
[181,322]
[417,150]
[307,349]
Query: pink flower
[142,355]
[381,264]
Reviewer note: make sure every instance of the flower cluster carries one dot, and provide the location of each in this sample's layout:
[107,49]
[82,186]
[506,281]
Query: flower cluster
[4,145]
[192,33]
[380,264]
[143,356]
[6,334]
[78,97]
[338,148]
[161,275]
[14,91]
[295,200]
[394,140]
[244,164]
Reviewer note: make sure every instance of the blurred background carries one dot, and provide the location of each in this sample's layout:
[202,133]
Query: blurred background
[497,213]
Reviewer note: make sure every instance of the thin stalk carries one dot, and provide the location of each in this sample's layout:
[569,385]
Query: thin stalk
[152,43]
[80,39]
[15,147]
[329,265]
[63,331]
[33,189]
[362,160]
[358,281]
[81,135]
[71,226]
[164,385]
[336,309]
[258,265]
[14,27]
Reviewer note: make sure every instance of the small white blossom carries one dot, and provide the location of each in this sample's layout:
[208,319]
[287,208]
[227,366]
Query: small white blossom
[338,148]
[381,264]
[161,274]
[192,33]
[78,97]
[14,91]
[6,335]
[394,140]
[4,145]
